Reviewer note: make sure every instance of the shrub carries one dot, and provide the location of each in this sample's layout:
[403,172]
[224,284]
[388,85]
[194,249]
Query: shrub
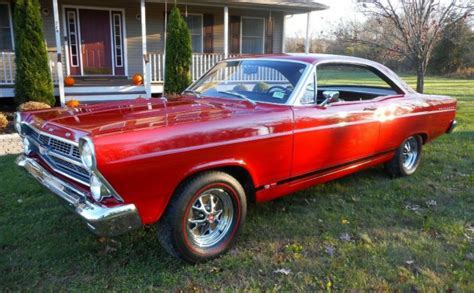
[178,54]
[33,77]
[3,121]
[463,73]
[29,106]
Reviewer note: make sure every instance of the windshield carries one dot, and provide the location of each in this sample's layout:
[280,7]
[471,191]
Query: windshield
[255,80]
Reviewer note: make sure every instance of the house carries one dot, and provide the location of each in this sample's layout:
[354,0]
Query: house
[102,44]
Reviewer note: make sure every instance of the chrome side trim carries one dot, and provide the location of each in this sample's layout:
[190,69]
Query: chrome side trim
[101,220]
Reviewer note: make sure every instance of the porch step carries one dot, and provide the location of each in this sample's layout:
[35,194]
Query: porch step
[101,89]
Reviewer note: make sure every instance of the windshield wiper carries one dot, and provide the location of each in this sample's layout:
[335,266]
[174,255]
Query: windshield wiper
[196,93]
[235,94]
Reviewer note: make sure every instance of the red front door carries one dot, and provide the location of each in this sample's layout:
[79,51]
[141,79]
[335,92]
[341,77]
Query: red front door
[96,51]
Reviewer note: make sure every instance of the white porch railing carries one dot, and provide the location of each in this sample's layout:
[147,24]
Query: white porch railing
[8,67]
[201,63]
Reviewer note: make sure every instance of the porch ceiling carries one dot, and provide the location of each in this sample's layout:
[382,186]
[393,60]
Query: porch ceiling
[286,6]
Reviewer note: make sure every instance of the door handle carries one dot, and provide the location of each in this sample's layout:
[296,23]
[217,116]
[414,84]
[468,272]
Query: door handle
[370,108]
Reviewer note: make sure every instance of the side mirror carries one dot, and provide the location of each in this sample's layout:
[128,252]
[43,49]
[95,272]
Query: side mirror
[330,97]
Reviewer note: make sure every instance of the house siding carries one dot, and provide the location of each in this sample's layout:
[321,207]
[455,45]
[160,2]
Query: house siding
[132,27]
[155,26]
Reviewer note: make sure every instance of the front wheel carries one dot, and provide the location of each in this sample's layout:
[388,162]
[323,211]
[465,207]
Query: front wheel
[407,157]
[203,217]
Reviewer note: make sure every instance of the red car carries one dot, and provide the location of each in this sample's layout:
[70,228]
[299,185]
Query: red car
[251,129]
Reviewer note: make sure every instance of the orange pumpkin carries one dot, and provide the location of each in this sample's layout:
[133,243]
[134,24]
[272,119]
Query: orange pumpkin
[69,81]
[72,103]
[137,79]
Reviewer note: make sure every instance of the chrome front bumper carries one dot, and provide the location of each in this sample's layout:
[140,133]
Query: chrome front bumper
[101,220]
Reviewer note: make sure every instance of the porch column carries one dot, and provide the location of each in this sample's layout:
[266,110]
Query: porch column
[146,61]
[306,41]
[283,38]
[226,31]
[59,64]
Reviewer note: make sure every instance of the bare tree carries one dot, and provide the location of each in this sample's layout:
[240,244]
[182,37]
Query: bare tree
[411,28]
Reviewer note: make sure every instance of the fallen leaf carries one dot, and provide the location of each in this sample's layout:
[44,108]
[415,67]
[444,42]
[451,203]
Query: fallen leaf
[215,270]
[330,250]
[470,256]
[345,237]
[285,272]
[431,203]
[365,238]
[412,207]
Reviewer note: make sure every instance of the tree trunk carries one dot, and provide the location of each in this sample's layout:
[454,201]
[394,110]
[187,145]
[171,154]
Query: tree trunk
[420,78]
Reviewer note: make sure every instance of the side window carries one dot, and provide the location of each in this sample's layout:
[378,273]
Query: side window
[353,82]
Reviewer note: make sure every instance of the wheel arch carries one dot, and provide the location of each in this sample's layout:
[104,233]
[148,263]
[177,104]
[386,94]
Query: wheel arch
[237,169]
[423,135]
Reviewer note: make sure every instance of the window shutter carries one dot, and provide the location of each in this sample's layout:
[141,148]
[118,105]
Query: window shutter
[234,35]
[269,36]
[208,33]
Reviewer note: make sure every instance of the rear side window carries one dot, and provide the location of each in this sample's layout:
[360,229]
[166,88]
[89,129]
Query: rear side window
[353,82]
[350,75]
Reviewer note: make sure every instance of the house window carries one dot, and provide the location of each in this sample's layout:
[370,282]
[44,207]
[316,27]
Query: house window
[73,44]
[6,28]
[195,24]
[117,18]
[253,30]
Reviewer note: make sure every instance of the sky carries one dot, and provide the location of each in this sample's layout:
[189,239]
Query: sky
[323,21]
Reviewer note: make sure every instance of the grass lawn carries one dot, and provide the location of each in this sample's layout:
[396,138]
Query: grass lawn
[363,231]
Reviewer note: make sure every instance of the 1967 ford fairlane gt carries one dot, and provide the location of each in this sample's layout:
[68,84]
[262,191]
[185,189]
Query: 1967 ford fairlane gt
[251,129]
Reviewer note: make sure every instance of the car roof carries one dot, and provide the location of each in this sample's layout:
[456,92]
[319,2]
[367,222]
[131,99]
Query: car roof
[306,58]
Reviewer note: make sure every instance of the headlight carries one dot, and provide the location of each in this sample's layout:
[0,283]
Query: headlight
[26,146]
[86,149]
[18,122]
[98,189]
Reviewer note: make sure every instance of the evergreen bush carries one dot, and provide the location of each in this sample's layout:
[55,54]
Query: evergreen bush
[33,77]
[178,54]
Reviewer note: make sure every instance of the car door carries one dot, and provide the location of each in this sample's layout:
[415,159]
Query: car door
[332,136]
[341,133]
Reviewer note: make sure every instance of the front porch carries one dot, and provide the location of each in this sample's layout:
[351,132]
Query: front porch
[103,47]
[87,88]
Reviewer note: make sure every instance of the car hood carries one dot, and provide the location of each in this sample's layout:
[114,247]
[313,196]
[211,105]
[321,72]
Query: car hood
[140,113]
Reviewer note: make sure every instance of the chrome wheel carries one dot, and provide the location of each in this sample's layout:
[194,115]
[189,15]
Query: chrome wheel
[210,217]
[410,153]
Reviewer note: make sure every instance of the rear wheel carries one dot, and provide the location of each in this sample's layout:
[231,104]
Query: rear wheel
[203,217]
[407,157]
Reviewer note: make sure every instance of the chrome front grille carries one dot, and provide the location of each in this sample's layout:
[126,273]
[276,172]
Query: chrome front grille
[70,166]
[62,156]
